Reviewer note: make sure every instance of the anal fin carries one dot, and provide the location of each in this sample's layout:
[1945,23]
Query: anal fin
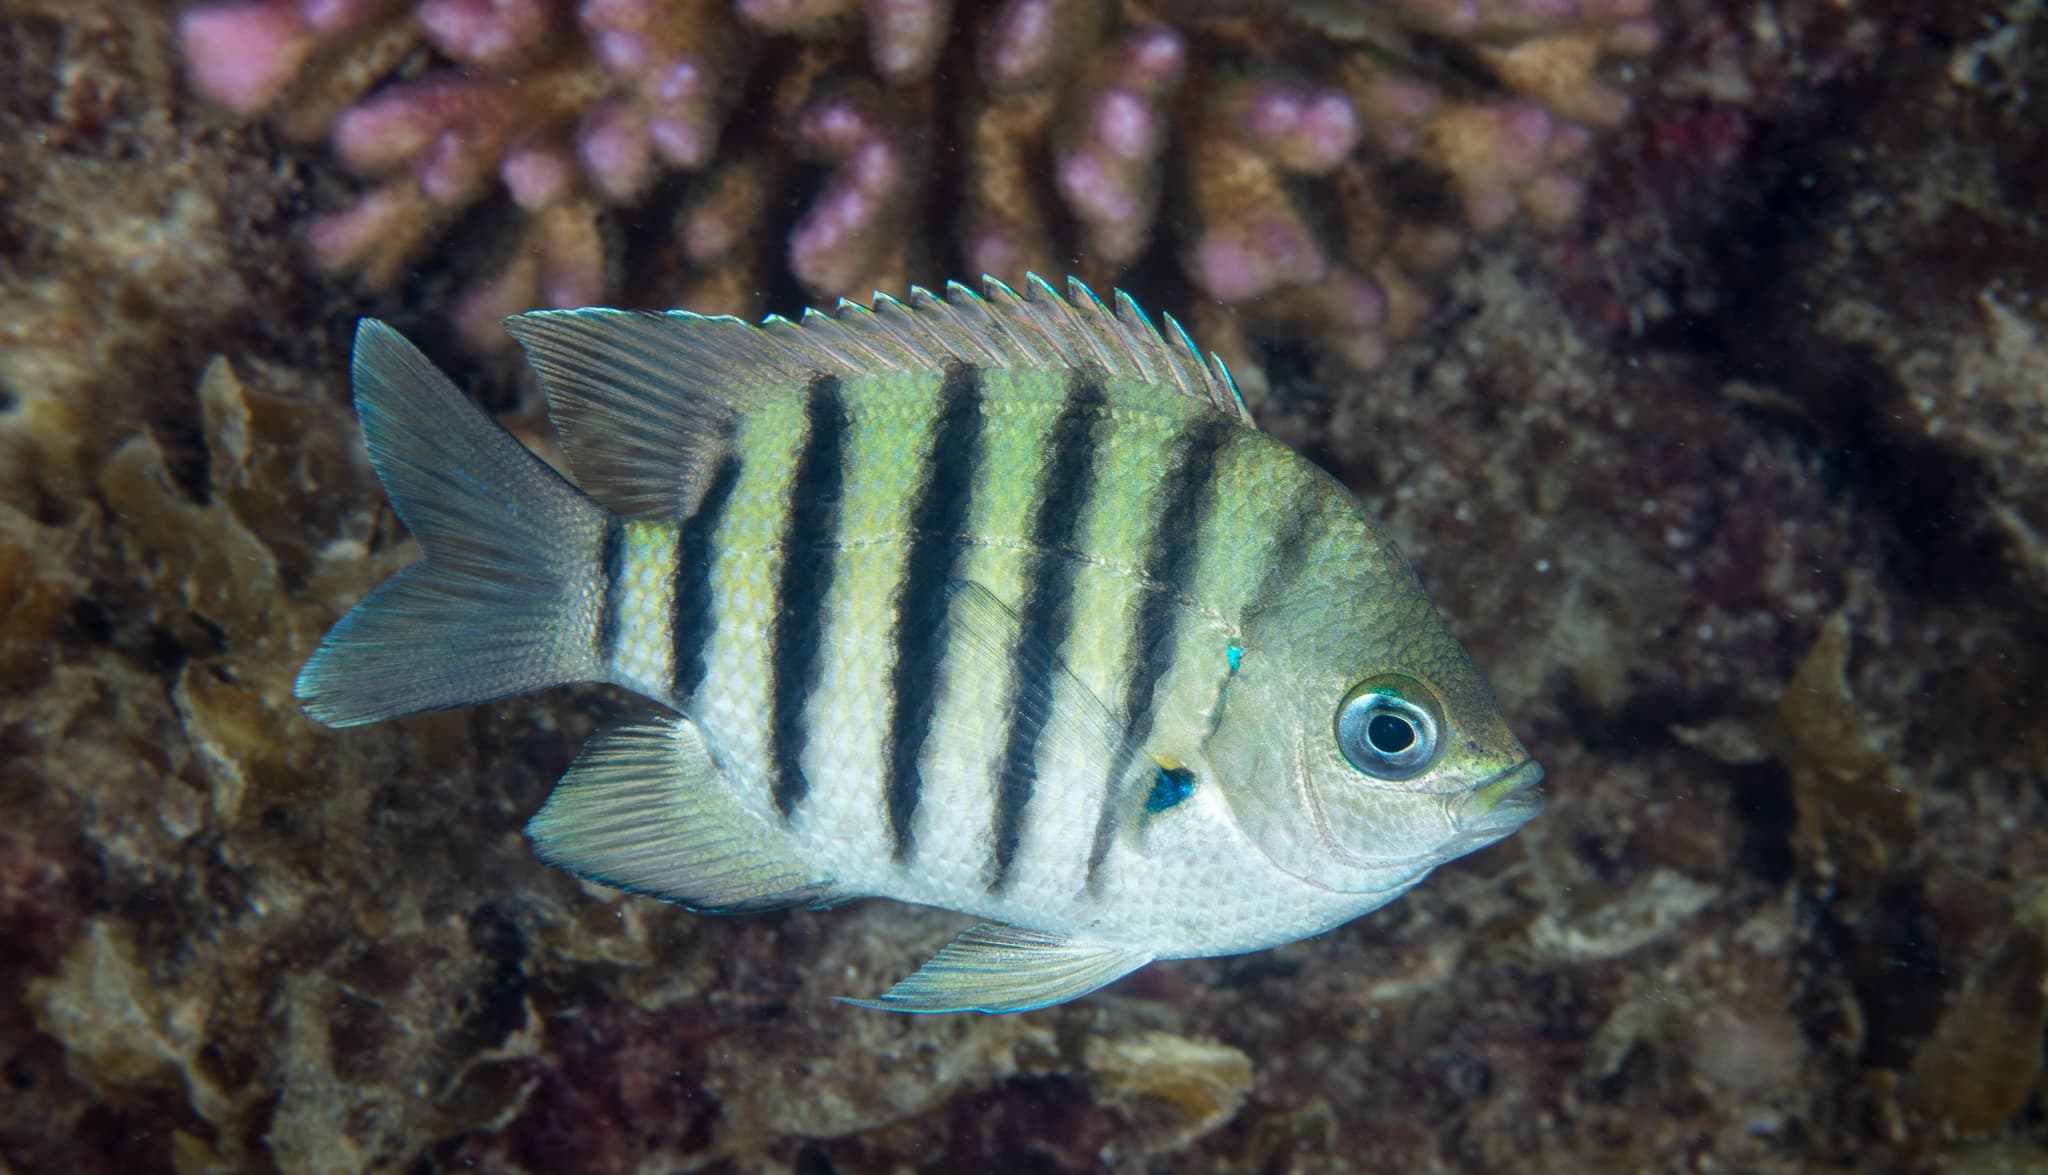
[997,968]
[645,808]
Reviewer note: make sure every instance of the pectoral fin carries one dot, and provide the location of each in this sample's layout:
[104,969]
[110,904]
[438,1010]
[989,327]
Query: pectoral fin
[1076,726]
[997,968]
[645,809]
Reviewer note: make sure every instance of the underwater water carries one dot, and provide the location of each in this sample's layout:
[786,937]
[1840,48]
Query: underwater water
[1694,353]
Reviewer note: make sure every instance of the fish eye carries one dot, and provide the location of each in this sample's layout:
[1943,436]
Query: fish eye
[1389,727]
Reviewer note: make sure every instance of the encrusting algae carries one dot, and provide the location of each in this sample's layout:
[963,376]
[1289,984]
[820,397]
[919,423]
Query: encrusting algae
[997,605]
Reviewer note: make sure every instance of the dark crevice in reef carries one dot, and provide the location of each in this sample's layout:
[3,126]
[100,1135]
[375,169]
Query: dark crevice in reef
[1641,722]
[498,1006]
[1764,808]
[1769,231]
[1933,544]
[1897,969]
[177,433]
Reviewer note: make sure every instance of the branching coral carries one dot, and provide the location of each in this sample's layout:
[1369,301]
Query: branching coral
[1302,163]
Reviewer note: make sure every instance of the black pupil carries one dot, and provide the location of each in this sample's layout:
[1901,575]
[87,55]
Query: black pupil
[1389,734]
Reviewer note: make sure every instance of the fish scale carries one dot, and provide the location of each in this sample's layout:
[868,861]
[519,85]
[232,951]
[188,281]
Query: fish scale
[921,675]
[1000,605]
[1057,465]
[642,657]
[734,697]
[850,751]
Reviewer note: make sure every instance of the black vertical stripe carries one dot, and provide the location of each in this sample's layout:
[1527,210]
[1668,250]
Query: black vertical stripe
[810,532]
[611,557]
[1286,556]
[1170,565]
[694,615]
[1046,611]
[938,520]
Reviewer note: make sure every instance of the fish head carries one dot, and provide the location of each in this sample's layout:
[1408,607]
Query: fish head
[1359,745]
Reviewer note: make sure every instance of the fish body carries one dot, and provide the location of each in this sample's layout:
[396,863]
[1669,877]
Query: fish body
[998,605]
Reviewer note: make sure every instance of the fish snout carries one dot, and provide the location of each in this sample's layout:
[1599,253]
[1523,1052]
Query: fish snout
[1499,806]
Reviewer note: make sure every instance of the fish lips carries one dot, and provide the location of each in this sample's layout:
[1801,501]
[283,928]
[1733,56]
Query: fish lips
[1498,807]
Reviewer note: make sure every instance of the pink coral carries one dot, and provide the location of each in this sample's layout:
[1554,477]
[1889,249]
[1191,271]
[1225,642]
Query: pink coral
[1264,146]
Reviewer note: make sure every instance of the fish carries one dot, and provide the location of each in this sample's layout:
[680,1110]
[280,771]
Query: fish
[994,602]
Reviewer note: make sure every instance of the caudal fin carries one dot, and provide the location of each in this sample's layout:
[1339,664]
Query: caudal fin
[510,595]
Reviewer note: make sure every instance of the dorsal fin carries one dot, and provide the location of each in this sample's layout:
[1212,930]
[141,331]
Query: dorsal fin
[645,401]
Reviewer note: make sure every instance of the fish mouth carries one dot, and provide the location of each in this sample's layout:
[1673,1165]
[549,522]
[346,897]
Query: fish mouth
[1500,805]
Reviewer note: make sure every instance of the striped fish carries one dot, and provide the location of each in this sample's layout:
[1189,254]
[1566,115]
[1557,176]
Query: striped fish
[995,603]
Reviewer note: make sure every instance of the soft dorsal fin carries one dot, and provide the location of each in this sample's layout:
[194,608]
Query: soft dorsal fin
[645,401]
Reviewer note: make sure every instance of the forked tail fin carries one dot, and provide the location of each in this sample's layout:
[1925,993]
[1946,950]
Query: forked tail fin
[511,594]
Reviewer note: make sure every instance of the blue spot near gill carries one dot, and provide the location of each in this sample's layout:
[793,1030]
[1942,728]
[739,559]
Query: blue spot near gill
[1236,654]
[1170,787]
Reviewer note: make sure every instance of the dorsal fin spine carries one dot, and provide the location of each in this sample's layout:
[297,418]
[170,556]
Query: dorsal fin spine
[1084,304]
[916,332]
[1134,319]
[1052,305]
[1002,297]
[863,329]
[991,327]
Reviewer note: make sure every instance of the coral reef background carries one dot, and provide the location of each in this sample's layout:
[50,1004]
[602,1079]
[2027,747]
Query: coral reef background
[1299,164]
[1724,446]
